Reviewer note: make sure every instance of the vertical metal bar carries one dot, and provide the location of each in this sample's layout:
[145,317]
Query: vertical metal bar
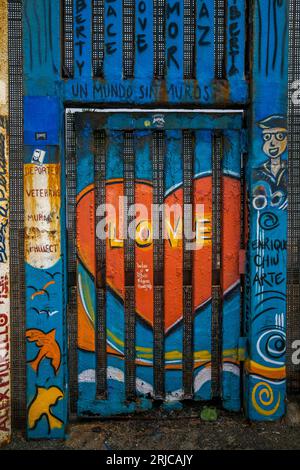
[5,342]
[72,347]
[219,38]
[188,173]
[18,359]
[100,197]
[128,38]
[293,299]
[189,43]
[71,195]
[158,151]
[159,38]
[129,259]
[67,39]
[71,268]
[98,37]
[216,327]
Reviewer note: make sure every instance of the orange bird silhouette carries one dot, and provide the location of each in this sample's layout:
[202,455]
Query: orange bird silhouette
[49,348]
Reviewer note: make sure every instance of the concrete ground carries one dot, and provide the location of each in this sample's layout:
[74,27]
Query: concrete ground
[183,430]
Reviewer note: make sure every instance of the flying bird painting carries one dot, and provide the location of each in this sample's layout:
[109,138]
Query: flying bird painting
[48,346]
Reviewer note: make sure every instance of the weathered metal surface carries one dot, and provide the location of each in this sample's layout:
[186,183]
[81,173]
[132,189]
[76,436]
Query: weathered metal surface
[177,53]
[293,298]
[164,53]
[180,291]
[266,276]
[5,386]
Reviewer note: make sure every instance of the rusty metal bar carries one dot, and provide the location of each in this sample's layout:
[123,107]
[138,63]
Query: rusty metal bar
[216,327]
[189,44]
[17,294]
[293,294]
[159,38]
[188,167]
[129,256]
[5,345]
[72,347]
[68,39]
[98,37]
[158,151]
[100,198]
[219,37]
[72,319]
[128,38]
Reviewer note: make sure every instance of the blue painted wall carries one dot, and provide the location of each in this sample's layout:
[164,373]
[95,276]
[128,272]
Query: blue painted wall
[266,276]
[45,95]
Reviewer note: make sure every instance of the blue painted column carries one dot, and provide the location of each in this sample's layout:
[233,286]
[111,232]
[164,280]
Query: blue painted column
[44,220]
[266,279]
[236,12]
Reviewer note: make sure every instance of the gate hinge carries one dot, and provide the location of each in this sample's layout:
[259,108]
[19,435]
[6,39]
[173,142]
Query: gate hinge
[242,261]
[244,140]
[242,349]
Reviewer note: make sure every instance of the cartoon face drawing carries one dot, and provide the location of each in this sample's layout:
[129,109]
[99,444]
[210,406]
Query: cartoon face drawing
[275,141]
[271,175]
[274,133]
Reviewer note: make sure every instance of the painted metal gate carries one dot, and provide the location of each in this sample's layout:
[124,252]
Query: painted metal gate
[158,242]
[174,101]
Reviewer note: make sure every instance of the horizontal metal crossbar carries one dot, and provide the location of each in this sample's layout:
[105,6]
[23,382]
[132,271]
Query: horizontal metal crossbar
[160,121]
